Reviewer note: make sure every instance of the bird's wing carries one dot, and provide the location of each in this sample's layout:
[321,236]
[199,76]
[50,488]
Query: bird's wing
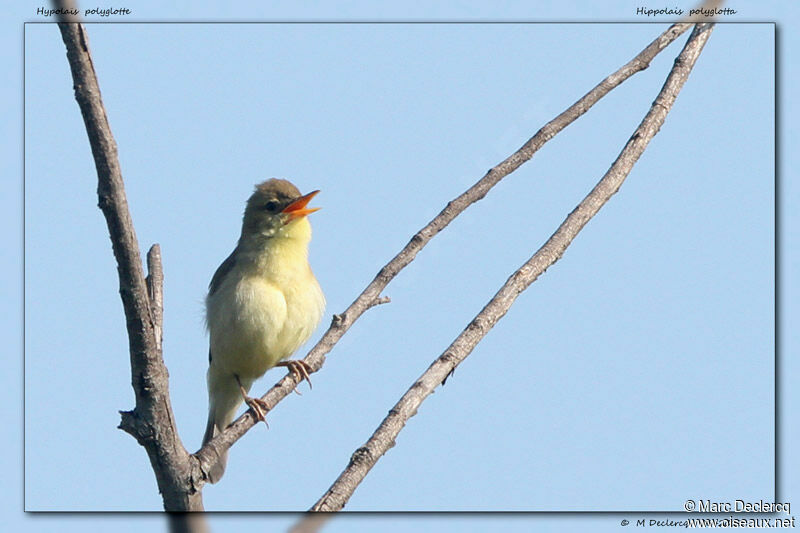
[219,275]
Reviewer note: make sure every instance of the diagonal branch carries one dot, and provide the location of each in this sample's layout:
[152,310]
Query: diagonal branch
[379,443]
[152,421]
[371,295]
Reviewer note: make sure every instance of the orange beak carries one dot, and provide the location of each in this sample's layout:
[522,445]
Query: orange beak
[297,209]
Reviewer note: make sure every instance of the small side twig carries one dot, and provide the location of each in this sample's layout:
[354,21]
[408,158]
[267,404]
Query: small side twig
[155,291]
[379,443]
[380,301]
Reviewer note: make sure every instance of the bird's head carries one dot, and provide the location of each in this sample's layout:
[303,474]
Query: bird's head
[277,209]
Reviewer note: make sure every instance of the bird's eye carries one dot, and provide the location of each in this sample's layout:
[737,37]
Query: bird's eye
[272,206]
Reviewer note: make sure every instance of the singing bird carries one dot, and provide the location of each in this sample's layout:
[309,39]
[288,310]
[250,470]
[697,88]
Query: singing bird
[263,303]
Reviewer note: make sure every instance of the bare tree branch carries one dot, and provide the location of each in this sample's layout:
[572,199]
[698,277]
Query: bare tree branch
[379,443]
[207,455]
[151,422]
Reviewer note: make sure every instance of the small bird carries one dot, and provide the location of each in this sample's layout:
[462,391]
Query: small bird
[263,303]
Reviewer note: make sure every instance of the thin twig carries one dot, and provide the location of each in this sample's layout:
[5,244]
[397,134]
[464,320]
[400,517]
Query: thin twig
[151,422]
[379,443]
[342,322]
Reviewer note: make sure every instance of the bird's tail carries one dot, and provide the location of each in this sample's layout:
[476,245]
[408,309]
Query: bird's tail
[224,399]
[216,471]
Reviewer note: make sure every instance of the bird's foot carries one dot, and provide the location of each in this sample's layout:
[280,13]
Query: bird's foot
[259,407]
[300,370]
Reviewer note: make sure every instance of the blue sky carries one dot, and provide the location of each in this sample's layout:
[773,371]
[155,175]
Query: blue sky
[635,374]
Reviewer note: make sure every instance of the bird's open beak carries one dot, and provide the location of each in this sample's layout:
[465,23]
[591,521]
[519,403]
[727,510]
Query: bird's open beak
[298,209]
